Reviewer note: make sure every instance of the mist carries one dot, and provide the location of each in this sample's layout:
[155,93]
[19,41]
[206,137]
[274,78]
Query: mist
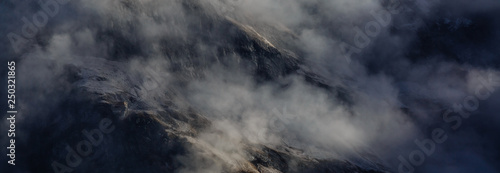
[372,101]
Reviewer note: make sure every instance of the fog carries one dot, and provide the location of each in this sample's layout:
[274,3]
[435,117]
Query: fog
[429,57]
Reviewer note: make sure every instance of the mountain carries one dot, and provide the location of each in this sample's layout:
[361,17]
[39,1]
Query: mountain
[253,86]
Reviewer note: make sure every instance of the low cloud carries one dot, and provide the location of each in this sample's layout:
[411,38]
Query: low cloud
[396,88]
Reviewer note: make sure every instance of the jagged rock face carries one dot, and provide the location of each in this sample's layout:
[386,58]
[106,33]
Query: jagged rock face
[150,138]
